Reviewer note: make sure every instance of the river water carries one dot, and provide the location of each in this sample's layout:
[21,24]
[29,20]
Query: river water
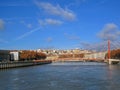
[62,76]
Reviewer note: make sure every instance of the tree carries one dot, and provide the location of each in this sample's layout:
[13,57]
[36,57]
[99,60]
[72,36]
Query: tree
[114,54]
[31,55]
[40,55]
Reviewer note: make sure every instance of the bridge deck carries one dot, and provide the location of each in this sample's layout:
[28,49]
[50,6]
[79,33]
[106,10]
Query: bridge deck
[113,61]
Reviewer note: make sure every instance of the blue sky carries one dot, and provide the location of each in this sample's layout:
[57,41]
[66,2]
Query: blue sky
[60,24]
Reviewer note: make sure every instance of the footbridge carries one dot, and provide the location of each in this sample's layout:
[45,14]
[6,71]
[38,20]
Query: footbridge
[103,55]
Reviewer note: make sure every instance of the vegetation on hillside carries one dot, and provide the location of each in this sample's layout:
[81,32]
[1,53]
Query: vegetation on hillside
[31,55]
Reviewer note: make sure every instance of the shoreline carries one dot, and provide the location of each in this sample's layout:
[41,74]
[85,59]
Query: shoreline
[16,64]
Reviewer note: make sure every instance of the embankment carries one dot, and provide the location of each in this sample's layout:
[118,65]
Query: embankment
[15,64]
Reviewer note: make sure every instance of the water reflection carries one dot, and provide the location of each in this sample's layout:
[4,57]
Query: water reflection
[62,76]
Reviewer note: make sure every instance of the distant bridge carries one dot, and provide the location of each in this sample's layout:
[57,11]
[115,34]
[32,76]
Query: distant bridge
[80,59]
[108,60]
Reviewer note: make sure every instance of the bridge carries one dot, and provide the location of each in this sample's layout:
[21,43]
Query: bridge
[98,56]
[111,61]
[107,46]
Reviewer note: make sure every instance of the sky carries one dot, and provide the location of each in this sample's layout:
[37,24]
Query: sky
[58,24]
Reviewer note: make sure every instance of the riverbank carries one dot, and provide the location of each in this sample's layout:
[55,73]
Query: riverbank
[15,64]
[78,60]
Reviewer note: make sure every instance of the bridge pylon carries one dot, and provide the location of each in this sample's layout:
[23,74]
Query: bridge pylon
[109,56]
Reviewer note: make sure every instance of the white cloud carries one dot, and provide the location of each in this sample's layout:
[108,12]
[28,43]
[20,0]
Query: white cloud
[53,22]
[109,32]
[71,37]
[41,22]
[49,39]
[50,22]
[74,38]
[2,24]
[28,25]
[56,10]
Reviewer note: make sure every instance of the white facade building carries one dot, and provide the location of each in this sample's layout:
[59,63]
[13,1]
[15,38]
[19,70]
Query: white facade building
[97,55]
[14,56]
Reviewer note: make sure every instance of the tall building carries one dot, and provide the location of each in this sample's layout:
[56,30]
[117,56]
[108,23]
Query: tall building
[4,55]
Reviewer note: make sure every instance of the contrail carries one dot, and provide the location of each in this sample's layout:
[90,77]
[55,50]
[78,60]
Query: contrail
[27,34]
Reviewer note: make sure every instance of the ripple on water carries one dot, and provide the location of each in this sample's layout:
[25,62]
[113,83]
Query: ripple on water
[62,76]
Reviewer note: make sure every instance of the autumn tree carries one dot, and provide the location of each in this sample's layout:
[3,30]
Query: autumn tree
[31,55]
[40,55]
[114,54]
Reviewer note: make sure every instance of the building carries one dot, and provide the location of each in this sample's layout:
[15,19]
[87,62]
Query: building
[95,55]
[4,55]
[14,56]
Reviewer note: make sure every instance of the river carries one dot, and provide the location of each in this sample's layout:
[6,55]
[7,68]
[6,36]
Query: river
[62,76]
